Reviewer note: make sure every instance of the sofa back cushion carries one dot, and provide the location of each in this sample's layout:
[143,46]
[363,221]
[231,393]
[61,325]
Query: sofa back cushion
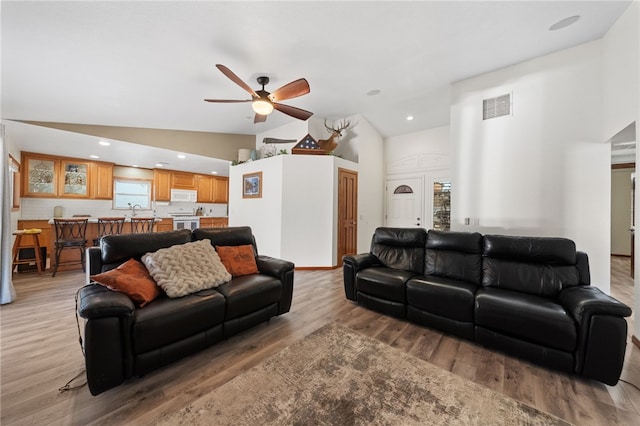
[117,249]
[456,255]
[400,248]
[232,236]
[536,265]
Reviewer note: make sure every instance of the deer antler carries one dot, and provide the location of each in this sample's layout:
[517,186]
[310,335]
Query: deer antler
[344,124]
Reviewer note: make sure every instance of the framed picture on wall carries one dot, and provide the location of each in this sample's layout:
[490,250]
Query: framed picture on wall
[252,185]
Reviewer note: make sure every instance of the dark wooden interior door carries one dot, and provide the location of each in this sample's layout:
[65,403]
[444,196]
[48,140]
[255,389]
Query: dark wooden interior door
[347,213]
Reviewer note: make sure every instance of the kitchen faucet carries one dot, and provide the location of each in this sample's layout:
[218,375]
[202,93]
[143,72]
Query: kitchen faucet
[133,208]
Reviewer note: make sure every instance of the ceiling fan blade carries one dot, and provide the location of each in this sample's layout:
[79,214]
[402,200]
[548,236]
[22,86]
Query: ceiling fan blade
[259,118]
[294,112]
[228,101]
[291,90]
[226,71]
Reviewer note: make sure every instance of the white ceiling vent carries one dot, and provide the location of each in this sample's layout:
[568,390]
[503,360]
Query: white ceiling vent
[496,107]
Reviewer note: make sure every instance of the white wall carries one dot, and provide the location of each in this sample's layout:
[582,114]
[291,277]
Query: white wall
[427,142]
[263,215]
[544,170]
[621,57]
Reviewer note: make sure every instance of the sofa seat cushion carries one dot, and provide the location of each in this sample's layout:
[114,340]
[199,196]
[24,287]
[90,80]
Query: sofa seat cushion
[166,320]
[249,293]
[527,317]
[441,296]
[385,283]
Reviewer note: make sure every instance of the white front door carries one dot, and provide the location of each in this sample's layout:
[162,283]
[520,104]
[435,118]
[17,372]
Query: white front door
[404,203]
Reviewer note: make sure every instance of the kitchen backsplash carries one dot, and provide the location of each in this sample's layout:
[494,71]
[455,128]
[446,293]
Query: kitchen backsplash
[42,208]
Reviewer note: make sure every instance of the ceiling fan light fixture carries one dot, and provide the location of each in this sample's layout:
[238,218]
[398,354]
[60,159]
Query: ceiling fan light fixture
[262,106]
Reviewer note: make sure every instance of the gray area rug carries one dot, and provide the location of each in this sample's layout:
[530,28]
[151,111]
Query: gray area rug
[336,376]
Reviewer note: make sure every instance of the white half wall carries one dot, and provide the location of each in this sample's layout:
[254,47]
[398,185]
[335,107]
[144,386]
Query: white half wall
[542,171]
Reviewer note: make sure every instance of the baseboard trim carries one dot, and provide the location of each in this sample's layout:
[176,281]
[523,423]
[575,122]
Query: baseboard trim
[316,268]
[635,341]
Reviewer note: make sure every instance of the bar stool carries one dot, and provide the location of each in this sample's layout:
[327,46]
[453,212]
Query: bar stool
[17,246]
[142,224]
[108,226]
[70,234]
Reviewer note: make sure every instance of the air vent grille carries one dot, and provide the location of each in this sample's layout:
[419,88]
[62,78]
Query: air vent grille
[496,107]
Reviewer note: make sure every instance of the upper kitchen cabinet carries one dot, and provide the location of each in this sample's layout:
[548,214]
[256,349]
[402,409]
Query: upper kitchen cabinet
[74,182]
[40,175]
[206,185]
[102,181]
[53,177]
[162,185]
[183,180]
[221,190]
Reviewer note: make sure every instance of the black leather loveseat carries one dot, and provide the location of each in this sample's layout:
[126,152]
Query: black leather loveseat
[528,296]
[122,340]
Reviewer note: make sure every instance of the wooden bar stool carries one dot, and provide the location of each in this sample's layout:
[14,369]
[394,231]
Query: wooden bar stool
[70,234]
[35,233]
[108,226]
[142,224]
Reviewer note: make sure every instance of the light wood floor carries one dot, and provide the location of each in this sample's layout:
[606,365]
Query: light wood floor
[40,352]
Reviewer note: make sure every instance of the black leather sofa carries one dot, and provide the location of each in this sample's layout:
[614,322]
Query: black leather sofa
[121,341]
[527,296]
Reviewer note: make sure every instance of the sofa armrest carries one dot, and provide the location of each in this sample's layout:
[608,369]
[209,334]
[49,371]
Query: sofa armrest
[583,301]
[361,261]
[107,336]
[93,262]
[352,264]
[602,332]
[97,301]
[283,270]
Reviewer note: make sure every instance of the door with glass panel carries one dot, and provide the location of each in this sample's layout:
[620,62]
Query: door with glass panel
[404,203]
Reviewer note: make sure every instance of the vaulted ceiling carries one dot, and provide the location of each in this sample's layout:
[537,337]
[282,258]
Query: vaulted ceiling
[151,64]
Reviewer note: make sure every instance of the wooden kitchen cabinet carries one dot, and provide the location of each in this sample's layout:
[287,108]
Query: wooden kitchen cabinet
[214,222]
[162,185]
[206,188]
[74,179]
[40,175]
[221,190]
[183,180]
[165,224]
[102,181]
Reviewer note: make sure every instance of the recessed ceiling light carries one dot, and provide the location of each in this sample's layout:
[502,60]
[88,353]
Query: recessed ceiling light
[373,92]
[214,172]
[409,117]
[158,164]
[182,156]
[564,23]
[104,143]
[94,156]
[134,165]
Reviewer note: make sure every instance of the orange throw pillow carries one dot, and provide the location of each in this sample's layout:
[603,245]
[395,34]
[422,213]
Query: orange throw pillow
[132,279]
[239,260]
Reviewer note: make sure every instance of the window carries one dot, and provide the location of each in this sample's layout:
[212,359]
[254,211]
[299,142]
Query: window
[129,192]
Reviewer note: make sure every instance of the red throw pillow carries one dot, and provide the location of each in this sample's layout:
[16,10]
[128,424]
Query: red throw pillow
[132,279]
[239,260]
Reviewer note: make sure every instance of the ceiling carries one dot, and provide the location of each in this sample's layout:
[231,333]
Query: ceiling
[151,64]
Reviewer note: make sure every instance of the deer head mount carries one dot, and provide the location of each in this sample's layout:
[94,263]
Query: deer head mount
[330,144]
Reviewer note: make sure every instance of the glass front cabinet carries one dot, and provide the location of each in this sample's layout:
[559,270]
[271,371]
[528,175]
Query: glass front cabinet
[48,176]
[74,179]
[40,177]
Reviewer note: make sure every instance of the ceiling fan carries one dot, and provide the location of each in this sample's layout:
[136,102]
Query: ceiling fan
[263,102]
